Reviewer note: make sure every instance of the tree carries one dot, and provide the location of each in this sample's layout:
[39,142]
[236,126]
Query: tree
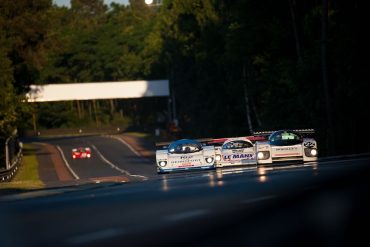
[8,115]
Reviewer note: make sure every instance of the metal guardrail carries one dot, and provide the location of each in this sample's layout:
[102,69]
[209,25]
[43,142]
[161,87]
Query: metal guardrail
[75,131]
[13,159]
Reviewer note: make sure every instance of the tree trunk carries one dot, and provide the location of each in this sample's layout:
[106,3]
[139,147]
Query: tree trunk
[256,113]
[78,109]
[34,121]
[295,30]
[325,80]
[111,106]
[90,111]
[95,113]
[246,99]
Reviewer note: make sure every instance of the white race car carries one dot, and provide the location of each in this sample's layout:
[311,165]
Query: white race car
[183,155]
[286,145]
[235,151]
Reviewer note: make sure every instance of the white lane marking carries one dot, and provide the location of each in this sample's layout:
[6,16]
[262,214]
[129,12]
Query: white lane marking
[67,164]
[127,145]
[94,236]
[187,215]
[258,199]
[114,166]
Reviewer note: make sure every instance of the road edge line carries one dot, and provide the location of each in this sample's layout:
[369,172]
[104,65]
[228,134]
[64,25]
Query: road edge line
[114,166]
[67,164]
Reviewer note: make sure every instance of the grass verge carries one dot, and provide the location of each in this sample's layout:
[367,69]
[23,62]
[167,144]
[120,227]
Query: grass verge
[28,176]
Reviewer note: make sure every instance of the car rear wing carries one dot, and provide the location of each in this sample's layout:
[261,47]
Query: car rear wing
[216,142]
[263,133]
[306,132]
[303,132]
[220,141]
[256,138]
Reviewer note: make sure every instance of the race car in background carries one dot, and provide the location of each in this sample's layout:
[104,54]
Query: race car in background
[81,153]
[234,151]
[184,154]
[286,145]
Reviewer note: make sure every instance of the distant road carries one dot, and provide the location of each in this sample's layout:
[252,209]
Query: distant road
[317,204]
[110,158]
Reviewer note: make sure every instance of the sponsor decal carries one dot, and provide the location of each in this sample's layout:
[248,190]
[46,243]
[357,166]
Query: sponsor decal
[238,156]
[183,162]
[286,149]
[287,154]
[186,157]
[186,164]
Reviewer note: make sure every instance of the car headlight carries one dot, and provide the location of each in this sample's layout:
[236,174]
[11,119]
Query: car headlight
[260,155]
[263,155]
[209,159]
[162,163]
[218,157]
[310,152]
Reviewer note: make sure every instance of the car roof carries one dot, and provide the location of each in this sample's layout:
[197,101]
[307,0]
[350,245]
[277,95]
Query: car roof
[81,148]
[285,130]
[186,141]
[238,139]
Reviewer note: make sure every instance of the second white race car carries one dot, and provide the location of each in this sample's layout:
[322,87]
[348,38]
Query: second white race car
[235,151]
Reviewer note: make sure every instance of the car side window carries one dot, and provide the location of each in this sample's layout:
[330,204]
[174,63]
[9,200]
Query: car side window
[246,145]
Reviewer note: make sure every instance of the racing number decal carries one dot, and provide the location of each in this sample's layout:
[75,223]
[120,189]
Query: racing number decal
[309,144]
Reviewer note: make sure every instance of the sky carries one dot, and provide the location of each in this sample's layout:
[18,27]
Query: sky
[67,2]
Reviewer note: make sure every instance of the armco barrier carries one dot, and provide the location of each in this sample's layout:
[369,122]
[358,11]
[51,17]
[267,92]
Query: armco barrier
[13,159]
[75,131]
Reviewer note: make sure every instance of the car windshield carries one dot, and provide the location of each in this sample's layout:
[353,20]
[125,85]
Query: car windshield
[237,144]
[182,147]
[285,138]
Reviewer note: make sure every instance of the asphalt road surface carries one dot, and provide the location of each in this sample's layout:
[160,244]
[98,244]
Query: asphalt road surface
[325,203]
[110,157]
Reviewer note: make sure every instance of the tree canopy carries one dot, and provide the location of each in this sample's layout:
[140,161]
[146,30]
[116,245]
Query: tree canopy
[233,66]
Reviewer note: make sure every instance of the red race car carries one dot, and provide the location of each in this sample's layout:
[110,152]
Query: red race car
[81,153]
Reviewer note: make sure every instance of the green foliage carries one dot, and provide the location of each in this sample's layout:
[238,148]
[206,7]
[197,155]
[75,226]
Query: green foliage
[215,53]
[8,113]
